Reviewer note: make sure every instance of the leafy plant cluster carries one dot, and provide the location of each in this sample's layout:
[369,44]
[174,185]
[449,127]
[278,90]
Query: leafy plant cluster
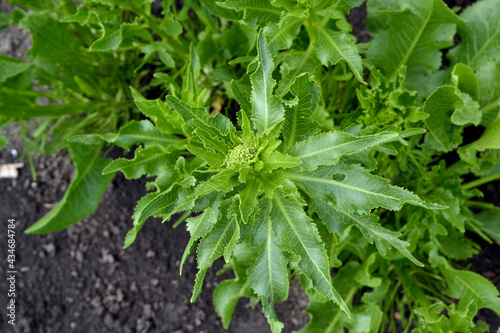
[286,147]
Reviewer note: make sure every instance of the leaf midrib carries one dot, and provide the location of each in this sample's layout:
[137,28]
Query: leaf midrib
[337,183]
[290,222]
[409,51]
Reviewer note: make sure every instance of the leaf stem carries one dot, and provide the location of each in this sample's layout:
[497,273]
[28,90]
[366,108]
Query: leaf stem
[481,181]
[182,218]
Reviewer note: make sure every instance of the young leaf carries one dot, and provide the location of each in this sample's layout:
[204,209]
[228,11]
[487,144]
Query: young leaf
[267,109]
[83,193]
[280,36]
[298,124]
[443,134]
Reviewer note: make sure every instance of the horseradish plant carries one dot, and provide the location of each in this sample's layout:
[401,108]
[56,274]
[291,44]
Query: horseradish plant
[327,168]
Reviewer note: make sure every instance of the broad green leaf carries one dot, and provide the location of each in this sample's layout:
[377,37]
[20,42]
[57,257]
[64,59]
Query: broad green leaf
[409,33]
[200,116]
[228,293]
[452,212]
[222,181]
[165,120]
[299,235]
[280,35]
[489,91]
[150,161]
[337,221]
[443,135]
[219,11]
[81,17]
[214,245]
[267,109]
[353,190]
[480,35]
[10,67]
[52,42]
[334,46]
[259,12]
[241,97]
[83,193]
[298,124]
[464,78]
[212,158]
[471,287]
[326,317]
[489,140]
[134,133]
[198,227]
[293,65]
[327,148]
[491,224]
[268,276]
[116,38]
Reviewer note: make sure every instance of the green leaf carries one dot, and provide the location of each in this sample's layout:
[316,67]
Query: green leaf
[268,276]
[116,38]
[409,33]
[198,227]
[472,287]
[298,124]
[215,244]
[293,65]
[52,42]
[491,224]
[327,148]
[337,221]
[280,36]
[259,12]
[134,133]
[219,11]
[334,46]
[10,67]
[480,35]
[353,190]
[83,193]
[150,161]
[443,135]
[299,235]
[165,120]
[3,141]
[222,181]
[200,117]
[267,109]
[464,78]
